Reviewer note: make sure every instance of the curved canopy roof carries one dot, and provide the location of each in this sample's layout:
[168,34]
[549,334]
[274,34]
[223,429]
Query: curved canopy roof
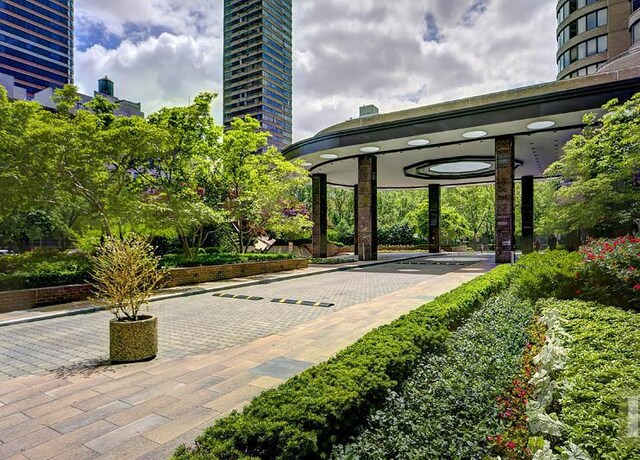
[453,143]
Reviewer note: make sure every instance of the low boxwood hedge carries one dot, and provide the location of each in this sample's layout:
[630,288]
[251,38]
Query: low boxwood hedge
[323,406]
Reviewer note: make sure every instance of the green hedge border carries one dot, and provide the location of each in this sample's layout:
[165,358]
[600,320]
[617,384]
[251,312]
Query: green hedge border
[308,414]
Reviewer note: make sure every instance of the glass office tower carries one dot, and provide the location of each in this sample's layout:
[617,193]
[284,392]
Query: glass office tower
[257,65]
[36,43]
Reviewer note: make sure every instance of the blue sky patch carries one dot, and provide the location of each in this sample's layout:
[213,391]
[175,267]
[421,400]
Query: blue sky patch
[432,32]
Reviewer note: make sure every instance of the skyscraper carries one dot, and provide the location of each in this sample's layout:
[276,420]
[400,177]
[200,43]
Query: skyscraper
[257,65]
[36,43]
[592,33]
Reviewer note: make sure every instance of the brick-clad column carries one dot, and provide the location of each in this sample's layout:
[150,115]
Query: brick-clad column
[367,208]
[355,220]
[319,211]
[434,218]
[527,214]
[505,228]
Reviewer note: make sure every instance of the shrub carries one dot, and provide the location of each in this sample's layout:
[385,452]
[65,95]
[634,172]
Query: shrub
[446,409]
[41,269]
[602,369]
[333,260]
[548,274]
[610,272]
[180,260]
[126,274]
[398,235]
[311,412]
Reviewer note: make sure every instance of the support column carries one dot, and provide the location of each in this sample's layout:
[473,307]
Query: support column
[527,214]
[505,228]
[367,208]
[355,220]
[319,214]
[434,218]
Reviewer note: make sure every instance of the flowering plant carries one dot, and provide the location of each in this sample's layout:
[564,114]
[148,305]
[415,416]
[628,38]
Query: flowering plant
[513,442]
[610,271]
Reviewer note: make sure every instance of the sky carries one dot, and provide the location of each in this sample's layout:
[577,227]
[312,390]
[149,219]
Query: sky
[395,54]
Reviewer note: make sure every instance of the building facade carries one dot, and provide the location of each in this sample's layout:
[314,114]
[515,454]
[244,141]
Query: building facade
[36,43]
[591,33]
[634,23]
[258,65]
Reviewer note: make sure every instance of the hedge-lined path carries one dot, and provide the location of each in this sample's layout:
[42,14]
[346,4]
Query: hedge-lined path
[145,410]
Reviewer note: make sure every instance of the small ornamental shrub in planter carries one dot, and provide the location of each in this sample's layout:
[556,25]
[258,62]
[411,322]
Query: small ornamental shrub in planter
[610,272]
[126,273]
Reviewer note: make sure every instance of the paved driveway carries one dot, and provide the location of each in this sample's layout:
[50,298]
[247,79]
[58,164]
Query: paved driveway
[203,323]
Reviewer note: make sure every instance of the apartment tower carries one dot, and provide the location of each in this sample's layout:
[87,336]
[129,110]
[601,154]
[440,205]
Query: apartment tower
[592,33]
[36,43]
[257,65]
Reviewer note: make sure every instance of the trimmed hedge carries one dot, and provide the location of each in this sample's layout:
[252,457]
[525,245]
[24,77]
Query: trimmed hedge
[46,269]
[547,274]
[179,260]
[43,269]
[324,405]
[602,369]
[458,387]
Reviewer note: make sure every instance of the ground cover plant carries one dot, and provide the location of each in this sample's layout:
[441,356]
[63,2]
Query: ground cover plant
[446,409]
[602,370]
[323,406]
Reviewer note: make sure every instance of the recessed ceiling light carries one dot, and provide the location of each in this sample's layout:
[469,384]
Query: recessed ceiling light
[474,134]
[370,149]
[418,142]
[329,156]
[541,125]
[306,164]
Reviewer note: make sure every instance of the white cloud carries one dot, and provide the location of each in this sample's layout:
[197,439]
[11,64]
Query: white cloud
[346,52]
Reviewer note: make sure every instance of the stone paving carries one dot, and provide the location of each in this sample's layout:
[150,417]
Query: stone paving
[215,355]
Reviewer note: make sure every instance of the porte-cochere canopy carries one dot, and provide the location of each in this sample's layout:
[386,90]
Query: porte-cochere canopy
[497,137]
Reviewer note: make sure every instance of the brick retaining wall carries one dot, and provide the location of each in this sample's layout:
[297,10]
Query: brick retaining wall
[41,297]
[195,275]
[30,298]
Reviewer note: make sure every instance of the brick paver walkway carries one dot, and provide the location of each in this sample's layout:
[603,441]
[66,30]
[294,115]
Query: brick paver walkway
[215,355]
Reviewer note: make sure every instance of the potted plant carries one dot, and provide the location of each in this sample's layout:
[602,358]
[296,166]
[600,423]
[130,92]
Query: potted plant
[126,272]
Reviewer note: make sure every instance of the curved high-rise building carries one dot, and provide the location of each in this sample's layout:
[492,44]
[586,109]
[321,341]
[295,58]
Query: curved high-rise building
[36,43]
[590,33]
[634,23]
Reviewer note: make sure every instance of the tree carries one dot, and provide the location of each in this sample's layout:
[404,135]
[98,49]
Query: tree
[259,184]
[21,169]
[600,172]
[476,205]
[177,174]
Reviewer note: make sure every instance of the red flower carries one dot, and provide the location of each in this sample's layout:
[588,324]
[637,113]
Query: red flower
[636,287]
[578,292]
[511,445]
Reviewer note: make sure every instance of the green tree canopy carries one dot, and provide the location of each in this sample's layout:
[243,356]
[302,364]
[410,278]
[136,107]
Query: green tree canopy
[600,172]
